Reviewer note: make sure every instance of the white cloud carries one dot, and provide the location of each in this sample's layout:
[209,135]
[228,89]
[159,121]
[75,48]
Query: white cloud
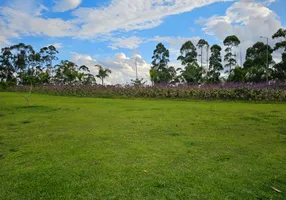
[40,9]
[57,45]
[129,15]
[88,23]
[122,67]
[175,41]
[20,23]
[247,19]
[4,41]
[127,43]
[65,5]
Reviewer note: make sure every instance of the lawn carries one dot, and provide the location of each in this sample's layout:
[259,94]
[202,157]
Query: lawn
[88,148]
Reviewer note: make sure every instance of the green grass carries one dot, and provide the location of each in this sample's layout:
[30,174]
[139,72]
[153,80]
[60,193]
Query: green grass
[84,148]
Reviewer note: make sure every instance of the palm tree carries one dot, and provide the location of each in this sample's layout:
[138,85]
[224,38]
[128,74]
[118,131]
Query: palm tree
[102,73]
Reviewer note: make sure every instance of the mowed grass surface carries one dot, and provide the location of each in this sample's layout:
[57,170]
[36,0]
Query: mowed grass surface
[84,148]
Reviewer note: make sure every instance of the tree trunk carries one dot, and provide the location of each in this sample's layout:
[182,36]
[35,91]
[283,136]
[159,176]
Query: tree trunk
[207,57]
[201,57]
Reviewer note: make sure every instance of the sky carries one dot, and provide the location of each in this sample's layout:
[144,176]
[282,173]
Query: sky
[122,34]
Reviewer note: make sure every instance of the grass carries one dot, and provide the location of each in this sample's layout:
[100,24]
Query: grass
[84,148]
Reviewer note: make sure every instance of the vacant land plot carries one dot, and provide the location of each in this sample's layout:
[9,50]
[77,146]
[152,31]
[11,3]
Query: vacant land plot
[84,148]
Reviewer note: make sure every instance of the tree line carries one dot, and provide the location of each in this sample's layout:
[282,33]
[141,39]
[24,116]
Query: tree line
[259,65]
[21,65]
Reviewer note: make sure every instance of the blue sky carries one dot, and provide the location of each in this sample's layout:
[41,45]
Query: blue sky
[114,32]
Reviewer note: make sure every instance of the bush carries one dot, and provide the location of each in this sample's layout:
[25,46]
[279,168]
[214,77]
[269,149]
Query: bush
[230,91]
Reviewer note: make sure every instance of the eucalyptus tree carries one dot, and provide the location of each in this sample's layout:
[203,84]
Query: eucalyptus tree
[256,62]
[192,73]
[230,42]
[160,72]
[215,66]
[201,45]
[49,55]
[7,69]
[280,68]
[188,53]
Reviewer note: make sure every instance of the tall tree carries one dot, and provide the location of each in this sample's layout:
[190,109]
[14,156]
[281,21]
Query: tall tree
[7,69]
[102,73]
[192,73]
[280,68]
[49,55]
[256,62]
[230,42]
[160,72]
[215,64]
[188,53]
[201,45]
[23,56]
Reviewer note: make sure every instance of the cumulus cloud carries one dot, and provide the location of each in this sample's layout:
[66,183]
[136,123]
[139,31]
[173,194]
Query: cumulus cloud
[23,24]
[123,67]
[247,19]
[26,19]
[65,5]
[129,15]
[127,43]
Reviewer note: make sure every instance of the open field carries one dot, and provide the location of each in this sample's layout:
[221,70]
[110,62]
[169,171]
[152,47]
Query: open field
[88,148]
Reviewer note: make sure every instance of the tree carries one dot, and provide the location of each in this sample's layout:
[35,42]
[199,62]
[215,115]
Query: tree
[192,74]
[49,54]
[102,73]
[188,53]
[138,82]
[230,42]
[201,44]
[67,72]
[255,64]
[237,74]
[280,68]
[7,69]
[160,72]
[215,64]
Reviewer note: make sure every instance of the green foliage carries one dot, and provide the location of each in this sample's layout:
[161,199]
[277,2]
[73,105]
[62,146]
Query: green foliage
[230,42]
[138,82]
[160,72]
[69,73]
[213,74]
[237,75]
[102,73]
[280,68]
[21,65]
[256,62]
[226,91]
[193,73]
[188,53]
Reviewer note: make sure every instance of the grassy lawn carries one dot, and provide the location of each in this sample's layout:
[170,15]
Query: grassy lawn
[84,148]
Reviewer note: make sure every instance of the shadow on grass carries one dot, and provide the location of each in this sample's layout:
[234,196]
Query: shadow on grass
[250,118]
[38,108]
